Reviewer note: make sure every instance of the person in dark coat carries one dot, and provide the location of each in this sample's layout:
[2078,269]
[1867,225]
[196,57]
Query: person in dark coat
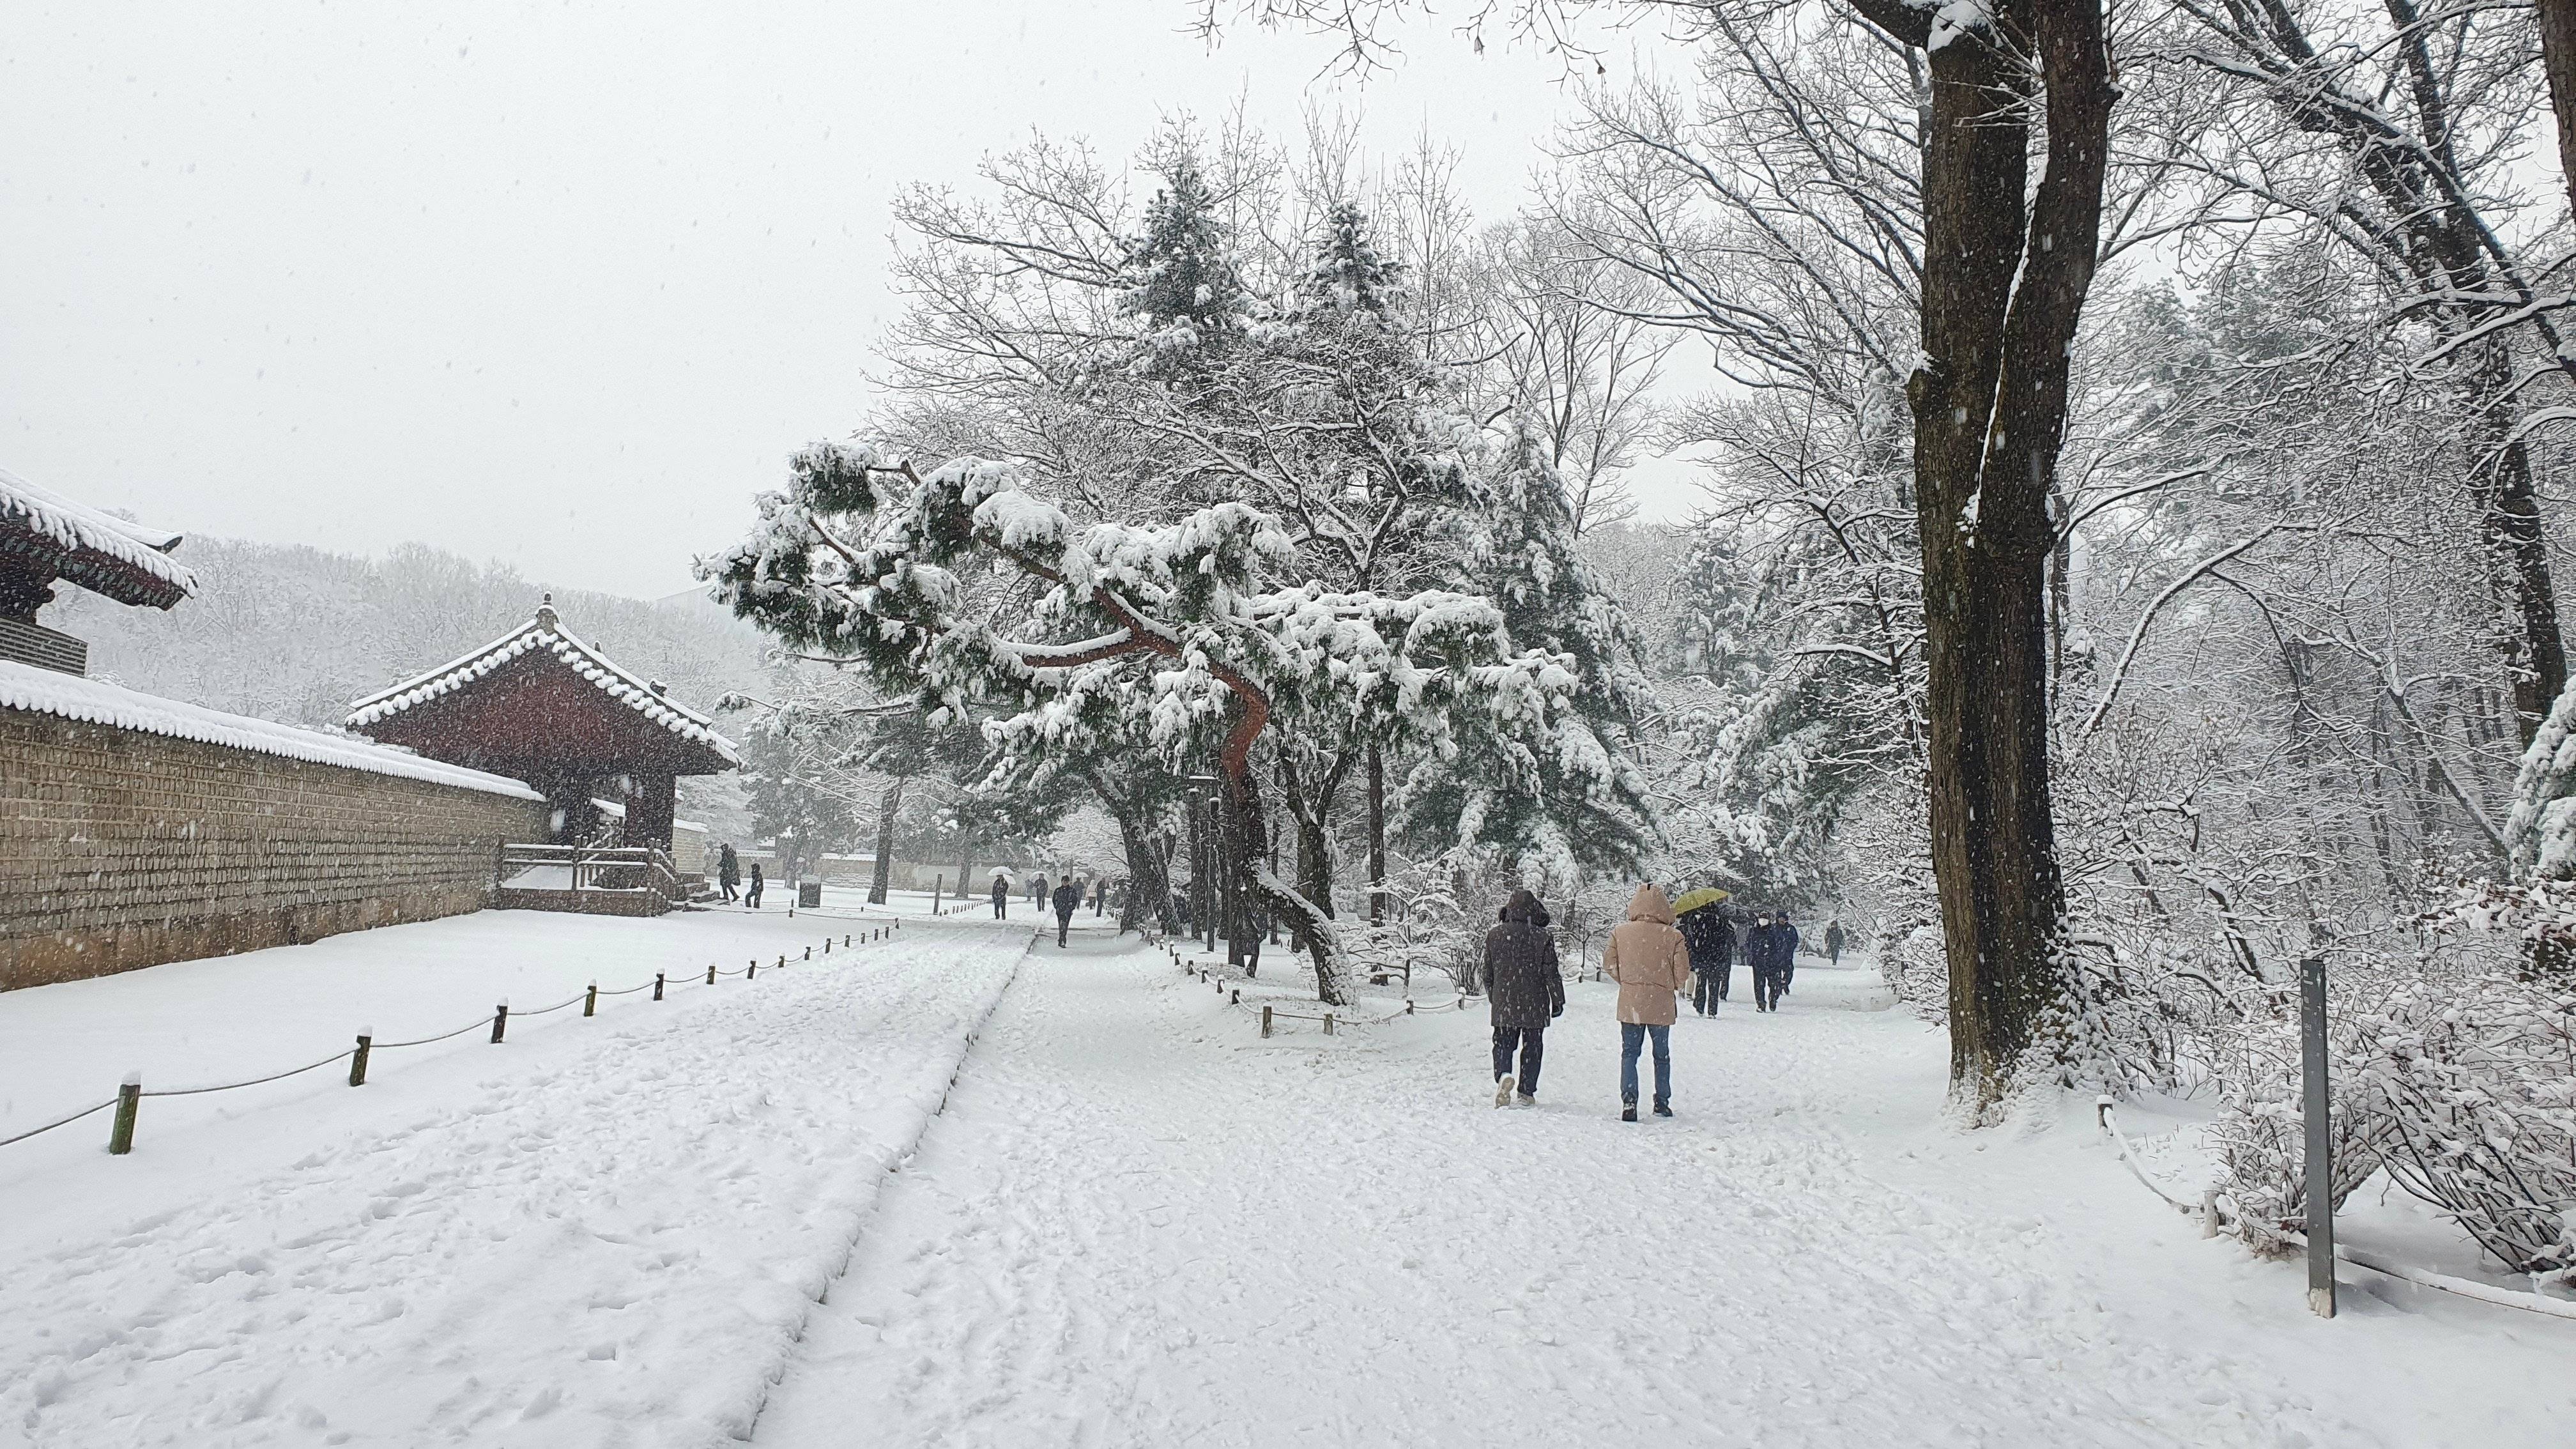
[751,897]
[1834,939]
[1770,948]
[729,873]
[1038,892]
[1068,899]
[1712,953]
[1527,991]
[1001,896]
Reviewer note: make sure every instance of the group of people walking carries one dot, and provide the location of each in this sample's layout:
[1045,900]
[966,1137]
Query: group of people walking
[1656,956]
[1067,897]
[729,879]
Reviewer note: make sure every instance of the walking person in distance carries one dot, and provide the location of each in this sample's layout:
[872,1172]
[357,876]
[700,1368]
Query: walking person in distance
[1834,939]
[1651,962]
[1001,896]
[1712,951]
[1770,948]
[1527,991]
[751,897]
[729,873]
[1068,899]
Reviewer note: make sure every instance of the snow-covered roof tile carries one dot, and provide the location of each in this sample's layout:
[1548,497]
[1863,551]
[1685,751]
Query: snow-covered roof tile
[93,701]
[125,561]
[545,632]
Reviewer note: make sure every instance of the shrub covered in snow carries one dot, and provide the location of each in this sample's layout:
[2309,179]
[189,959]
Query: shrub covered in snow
[2260,1131]
[2470,1087]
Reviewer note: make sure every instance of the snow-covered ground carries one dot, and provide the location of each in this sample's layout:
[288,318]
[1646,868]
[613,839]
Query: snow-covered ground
[1133,1222]
[604,1231]
[1139,1223]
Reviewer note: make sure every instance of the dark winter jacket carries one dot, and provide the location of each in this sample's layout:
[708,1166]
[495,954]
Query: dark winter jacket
[1712,940]
[1068,896]
[1522,979]
[1834,937]
[728,866]
[1771,948]
[1001,888]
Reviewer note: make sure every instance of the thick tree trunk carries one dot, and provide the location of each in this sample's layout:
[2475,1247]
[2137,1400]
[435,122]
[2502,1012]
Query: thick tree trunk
[2001,294]
[881,880]
[2558,60]
[2535,656]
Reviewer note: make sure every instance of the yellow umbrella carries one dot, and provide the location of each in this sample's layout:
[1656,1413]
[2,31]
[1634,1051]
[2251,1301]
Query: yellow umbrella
[1705,896]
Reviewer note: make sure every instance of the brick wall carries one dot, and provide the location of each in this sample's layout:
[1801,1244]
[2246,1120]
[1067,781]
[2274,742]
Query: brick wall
[121,849]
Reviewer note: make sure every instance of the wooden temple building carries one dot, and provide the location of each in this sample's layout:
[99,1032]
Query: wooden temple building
[47,539]
[539,705]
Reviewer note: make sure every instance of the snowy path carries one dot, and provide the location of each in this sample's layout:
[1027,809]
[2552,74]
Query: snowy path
[607,1236]
[1136,1223]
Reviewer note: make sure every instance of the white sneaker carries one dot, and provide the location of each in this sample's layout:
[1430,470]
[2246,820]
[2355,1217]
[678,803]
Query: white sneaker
[1503,1092]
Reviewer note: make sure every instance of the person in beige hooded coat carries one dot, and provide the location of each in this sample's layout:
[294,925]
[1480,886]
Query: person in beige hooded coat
[1651,962]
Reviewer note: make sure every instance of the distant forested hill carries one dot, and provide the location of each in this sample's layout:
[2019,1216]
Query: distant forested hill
[294,634]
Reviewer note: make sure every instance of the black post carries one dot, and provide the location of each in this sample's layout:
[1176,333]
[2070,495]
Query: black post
[657,986]
[2320,1156]
[500,1020]
[358,1058]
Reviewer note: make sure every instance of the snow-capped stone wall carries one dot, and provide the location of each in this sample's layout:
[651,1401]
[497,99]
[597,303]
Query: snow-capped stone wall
[125,846]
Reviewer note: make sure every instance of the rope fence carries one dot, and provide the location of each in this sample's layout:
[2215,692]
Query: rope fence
[2213,1214]
[1271,1014]
[130,1094]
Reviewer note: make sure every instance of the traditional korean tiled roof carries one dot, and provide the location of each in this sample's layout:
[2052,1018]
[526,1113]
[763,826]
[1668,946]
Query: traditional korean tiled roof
[545,634]
[96,702]
[124,561]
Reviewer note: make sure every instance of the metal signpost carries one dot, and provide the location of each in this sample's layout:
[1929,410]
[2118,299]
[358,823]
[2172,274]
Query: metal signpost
[2320,1156]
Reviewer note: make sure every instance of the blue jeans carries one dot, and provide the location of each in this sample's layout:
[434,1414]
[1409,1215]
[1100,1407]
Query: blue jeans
[1632,1039]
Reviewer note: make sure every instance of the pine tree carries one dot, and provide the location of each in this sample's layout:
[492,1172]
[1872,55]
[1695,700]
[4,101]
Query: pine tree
[1185,286]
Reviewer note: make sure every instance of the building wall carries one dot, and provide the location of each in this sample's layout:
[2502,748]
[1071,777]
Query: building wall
[860,871]
[121,849]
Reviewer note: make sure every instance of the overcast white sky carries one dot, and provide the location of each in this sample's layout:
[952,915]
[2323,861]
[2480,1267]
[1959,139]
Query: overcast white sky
[556,283]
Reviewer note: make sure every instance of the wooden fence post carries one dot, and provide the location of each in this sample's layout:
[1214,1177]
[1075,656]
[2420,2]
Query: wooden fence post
[500,1019]
[1328,1023]
[1265,1021]
[752,971]
[657,986]
[590,1000]
[358,1058]
[711,973]
[129,1100]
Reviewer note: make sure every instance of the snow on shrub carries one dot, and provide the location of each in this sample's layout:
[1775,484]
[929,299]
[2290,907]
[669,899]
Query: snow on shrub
[1917,971]
[2471,1087]
[2261,1130]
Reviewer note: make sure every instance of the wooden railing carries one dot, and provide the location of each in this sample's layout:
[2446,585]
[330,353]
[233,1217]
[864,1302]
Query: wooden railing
[597,868]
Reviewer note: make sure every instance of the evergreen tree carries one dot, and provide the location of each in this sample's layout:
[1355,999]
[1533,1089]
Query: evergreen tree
[1185,285]
[796,794]
[1568,796]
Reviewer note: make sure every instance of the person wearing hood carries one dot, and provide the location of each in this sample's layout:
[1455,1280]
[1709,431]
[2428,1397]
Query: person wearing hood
[1651,962]
[1771,949]
[1001,896]
[1527,991]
